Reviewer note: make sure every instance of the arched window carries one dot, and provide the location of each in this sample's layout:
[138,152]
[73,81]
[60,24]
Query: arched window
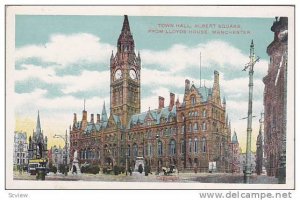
[195,126]
[190,145]
[204,126]
[182,150]
[204,145]
[196,145]
[204,113]
[160,148]
[172,147]
[135,150]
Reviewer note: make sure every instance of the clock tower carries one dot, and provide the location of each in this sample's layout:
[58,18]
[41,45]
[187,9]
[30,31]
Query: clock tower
[125,73]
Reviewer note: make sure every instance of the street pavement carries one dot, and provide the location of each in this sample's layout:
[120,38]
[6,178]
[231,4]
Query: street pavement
[137,177]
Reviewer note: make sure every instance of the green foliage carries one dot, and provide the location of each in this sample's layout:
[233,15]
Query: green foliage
[53,169]
[90,169]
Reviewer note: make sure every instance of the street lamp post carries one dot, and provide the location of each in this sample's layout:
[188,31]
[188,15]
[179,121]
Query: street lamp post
[65,138]
[250,65]
[157,140]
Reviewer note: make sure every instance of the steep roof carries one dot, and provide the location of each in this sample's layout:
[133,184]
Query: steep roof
[204,92]
[156,114]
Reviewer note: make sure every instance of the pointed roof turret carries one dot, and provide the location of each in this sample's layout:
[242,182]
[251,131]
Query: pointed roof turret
[38,124]
[234,138]
[104,114]
[126,26]
[125,41]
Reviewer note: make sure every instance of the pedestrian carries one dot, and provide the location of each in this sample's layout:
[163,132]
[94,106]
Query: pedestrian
[130,171]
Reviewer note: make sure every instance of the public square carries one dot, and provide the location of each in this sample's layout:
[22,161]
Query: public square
[137,177]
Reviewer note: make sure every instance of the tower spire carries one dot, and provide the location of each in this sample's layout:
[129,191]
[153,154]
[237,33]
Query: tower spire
[125,41]
[38,124]
[104,114]
[126,26]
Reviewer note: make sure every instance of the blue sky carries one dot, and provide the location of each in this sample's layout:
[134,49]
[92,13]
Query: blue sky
[60,60]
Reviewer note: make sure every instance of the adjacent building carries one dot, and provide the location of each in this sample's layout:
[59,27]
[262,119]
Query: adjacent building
[20,155]
[259,152]
[275,93]
[234,149]
[188,134]
[57,155]
[252,161]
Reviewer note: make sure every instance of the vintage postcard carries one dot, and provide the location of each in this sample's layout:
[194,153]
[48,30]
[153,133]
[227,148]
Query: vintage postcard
[157,97]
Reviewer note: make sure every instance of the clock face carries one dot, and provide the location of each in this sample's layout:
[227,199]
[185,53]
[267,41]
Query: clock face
[132,74]
[118,74]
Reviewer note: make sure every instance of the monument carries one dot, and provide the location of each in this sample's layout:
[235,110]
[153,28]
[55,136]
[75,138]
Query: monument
[75,165]
[139,161]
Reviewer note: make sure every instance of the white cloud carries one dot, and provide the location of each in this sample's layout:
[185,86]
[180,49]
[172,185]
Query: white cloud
[179,57]
[68,49]
[87,80]
[37,100]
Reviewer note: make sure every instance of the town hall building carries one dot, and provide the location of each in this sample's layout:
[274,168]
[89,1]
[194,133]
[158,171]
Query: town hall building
[189,134]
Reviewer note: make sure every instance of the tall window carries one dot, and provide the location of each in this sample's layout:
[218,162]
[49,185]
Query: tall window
[149,149]
[190,145]
[182,129]
[193,99]
[196,145]
[128,150]
[160,148]
[204,113]
[135,150]
[195,126]
[204,145]
[204,126]
[172,147]
[182,150]
[190,127]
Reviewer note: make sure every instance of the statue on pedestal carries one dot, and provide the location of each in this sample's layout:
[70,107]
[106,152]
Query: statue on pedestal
[75,166]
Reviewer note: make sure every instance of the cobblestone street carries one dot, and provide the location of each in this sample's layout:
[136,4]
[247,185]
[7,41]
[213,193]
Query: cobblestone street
[136,177]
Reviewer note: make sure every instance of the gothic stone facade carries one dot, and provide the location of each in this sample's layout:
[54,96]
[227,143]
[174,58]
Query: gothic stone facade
[275,97]
[234,149]
[20,149]
[37,148]
[188,135]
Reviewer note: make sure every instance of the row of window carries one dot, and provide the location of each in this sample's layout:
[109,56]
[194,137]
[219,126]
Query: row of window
[196,114]
[193,147]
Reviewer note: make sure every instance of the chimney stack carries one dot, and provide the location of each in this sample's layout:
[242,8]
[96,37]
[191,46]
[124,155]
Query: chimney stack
[92,118]
[98,118]
[177,103]
[84,115]
[172,100]
[187,85]
[216,77]
[161,102]
[74,119]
